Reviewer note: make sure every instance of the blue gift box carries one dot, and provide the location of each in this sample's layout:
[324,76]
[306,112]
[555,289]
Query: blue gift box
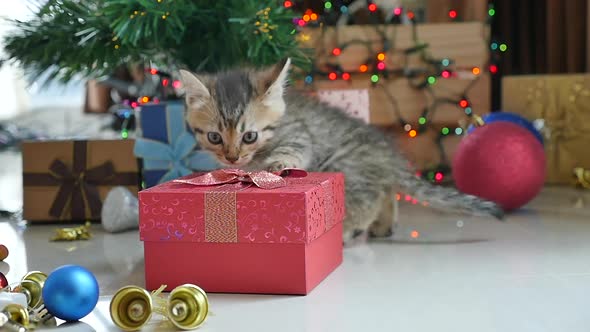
[167,146]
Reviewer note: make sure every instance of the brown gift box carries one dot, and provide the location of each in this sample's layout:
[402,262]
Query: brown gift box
[411,102]
[563,103]
[68,180]
[463,43]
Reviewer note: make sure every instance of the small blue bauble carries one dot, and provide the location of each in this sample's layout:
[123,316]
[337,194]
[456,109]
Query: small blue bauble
[510,117]
[70,292]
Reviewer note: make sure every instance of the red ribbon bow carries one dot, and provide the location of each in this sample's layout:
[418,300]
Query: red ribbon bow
[261,179]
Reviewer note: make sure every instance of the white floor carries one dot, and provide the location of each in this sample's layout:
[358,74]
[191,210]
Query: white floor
[530,273]
[439,272]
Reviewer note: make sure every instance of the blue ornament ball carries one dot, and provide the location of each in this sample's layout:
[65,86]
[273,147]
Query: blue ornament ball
[70,292]
[510,117]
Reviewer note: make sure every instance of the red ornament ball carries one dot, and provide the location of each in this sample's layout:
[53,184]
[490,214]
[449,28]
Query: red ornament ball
[3,281]
[501,162]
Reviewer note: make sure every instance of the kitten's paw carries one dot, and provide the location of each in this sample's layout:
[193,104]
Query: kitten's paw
[279,166]
[352,236]
[380,230]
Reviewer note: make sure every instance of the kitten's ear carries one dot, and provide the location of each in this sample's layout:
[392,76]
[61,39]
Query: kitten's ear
[196,93]
[273,81]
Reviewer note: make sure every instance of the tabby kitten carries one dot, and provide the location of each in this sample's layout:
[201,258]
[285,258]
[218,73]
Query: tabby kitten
[247,119]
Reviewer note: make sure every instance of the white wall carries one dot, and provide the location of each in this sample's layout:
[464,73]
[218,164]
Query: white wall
[18,96]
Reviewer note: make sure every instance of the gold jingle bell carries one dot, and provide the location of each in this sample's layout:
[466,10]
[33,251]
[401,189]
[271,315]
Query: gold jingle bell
[14,318]
[187,307]
[32,286]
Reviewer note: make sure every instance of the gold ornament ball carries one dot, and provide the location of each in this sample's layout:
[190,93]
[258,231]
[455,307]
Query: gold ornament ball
[3,252]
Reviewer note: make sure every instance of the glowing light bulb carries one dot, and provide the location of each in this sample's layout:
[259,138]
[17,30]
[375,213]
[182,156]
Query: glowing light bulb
[153,71]
[381,56]
[503,47]
[468,110]
[463,103]
[176,84]
[328,5]
[381,65]
[445,131]
[165,82]
[332,76]
[346,76]
[134,104]
[363,68]
[445,74]
[374,78]
[493,69]
[491,12]
[422,120]
[453,14]
[475,70]
[431,80]
[288,4]
[412,133]
[336,51]
[301,23]
[306,18]
[414,234]
[397,11]
[145,99]
[372,7]
[438,176]
[313,16]
[458,131]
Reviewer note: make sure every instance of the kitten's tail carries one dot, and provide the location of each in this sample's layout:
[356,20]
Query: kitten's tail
[444,197]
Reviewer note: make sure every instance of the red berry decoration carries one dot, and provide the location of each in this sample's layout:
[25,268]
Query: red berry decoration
[3,252]
[501,162]
[3,281]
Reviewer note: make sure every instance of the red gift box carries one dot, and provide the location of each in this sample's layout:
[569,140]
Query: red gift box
[240,238]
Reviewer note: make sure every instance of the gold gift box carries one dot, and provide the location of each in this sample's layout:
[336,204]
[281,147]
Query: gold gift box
[562,103]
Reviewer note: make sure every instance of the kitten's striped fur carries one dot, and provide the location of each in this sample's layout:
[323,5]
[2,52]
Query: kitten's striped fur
[296,131]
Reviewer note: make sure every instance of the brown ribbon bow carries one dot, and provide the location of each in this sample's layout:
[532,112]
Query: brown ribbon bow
[79,185]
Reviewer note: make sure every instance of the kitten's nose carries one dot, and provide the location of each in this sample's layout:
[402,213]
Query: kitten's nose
[232,159]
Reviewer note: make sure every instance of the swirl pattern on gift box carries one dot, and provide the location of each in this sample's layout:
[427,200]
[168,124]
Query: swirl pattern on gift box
[300,212]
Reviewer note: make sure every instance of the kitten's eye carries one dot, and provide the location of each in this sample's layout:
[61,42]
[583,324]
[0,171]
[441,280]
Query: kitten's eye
[250,137]
[214,138]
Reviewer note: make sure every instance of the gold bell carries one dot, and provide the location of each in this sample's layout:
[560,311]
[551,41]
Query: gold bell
[187,307]
[14,318]
[32,286]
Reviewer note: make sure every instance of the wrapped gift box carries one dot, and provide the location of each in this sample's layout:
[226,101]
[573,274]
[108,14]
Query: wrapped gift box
[166,145]
[240,238]
[561,103]
[68,180]
[394,98]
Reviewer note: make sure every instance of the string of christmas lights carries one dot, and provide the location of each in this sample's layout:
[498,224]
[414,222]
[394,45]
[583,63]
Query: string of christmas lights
[422,79]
